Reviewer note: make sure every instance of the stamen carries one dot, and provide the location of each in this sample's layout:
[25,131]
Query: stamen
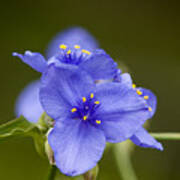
[62,46]
[77,47]
[84,118]
[69,51]
[139,92]
[92,96]
[133,86]
[85,51]
[73,110]
[150,109]
[98,121]
[146,97]
[84,99]
[96,102]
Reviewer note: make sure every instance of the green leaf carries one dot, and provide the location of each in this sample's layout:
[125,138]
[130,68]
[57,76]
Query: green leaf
[20,127]
[17,127]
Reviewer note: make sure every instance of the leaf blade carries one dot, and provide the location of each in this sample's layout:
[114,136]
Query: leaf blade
[17,127]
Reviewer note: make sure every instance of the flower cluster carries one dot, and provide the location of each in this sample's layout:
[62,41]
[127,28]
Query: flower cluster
[89,99]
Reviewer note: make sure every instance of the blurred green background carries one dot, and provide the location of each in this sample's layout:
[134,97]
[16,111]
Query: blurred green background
[144,35]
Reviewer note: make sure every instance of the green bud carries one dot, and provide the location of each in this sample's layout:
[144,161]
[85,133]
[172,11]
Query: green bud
[45,122]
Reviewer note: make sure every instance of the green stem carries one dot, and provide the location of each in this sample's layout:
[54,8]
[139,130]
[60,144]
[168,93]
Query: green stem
[52,172]
[123,159]
[166,136]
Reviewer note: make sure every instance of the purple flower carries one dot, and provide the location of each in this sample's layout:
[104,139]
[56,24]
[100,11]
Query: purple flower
[97,63]
[73,46]
[141,137]
[28,103]
[71,37]
[87,115]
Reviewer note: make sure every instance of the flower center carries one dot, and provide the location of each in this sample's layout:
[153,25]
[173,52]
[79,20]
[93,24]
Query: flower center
[74,55]
[86,109]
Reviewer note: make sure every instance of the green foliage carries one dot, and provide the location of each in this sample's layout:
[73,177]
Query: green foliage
[17,127]
[20,127]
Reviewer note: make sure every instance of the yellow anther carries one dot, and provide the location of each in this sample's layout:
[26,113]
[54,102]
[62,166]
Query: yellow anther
[84,99]
[85,51]
[133,86]
[69,51]
[77,47]
[73,110]
[92,95]
[98,121]
[150,109]
[146,97]
[62,46]
[139,92]
[96,102]
[84,118]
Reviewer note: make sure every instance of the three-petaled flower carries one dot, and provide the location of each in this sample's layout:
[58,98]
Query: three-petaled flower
[87,115]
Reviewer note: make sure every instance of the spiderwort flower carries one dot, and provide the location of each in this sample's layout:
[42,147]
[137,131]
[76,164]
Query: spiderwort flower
[141,137]
[87,115]
[28,99]
[97,63]
[72,37]
[28,103]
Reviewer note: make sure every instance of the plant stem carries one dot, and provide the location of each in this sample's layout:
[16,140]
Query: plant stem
[123,159]
[51,172]
[166,136]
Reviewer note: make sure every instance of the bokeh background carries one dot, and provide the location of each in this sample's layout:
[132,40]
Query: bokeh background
[144,35]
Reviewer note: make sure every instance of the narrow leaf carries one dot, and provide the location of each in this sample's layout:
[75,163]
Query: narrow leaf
[17,127]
